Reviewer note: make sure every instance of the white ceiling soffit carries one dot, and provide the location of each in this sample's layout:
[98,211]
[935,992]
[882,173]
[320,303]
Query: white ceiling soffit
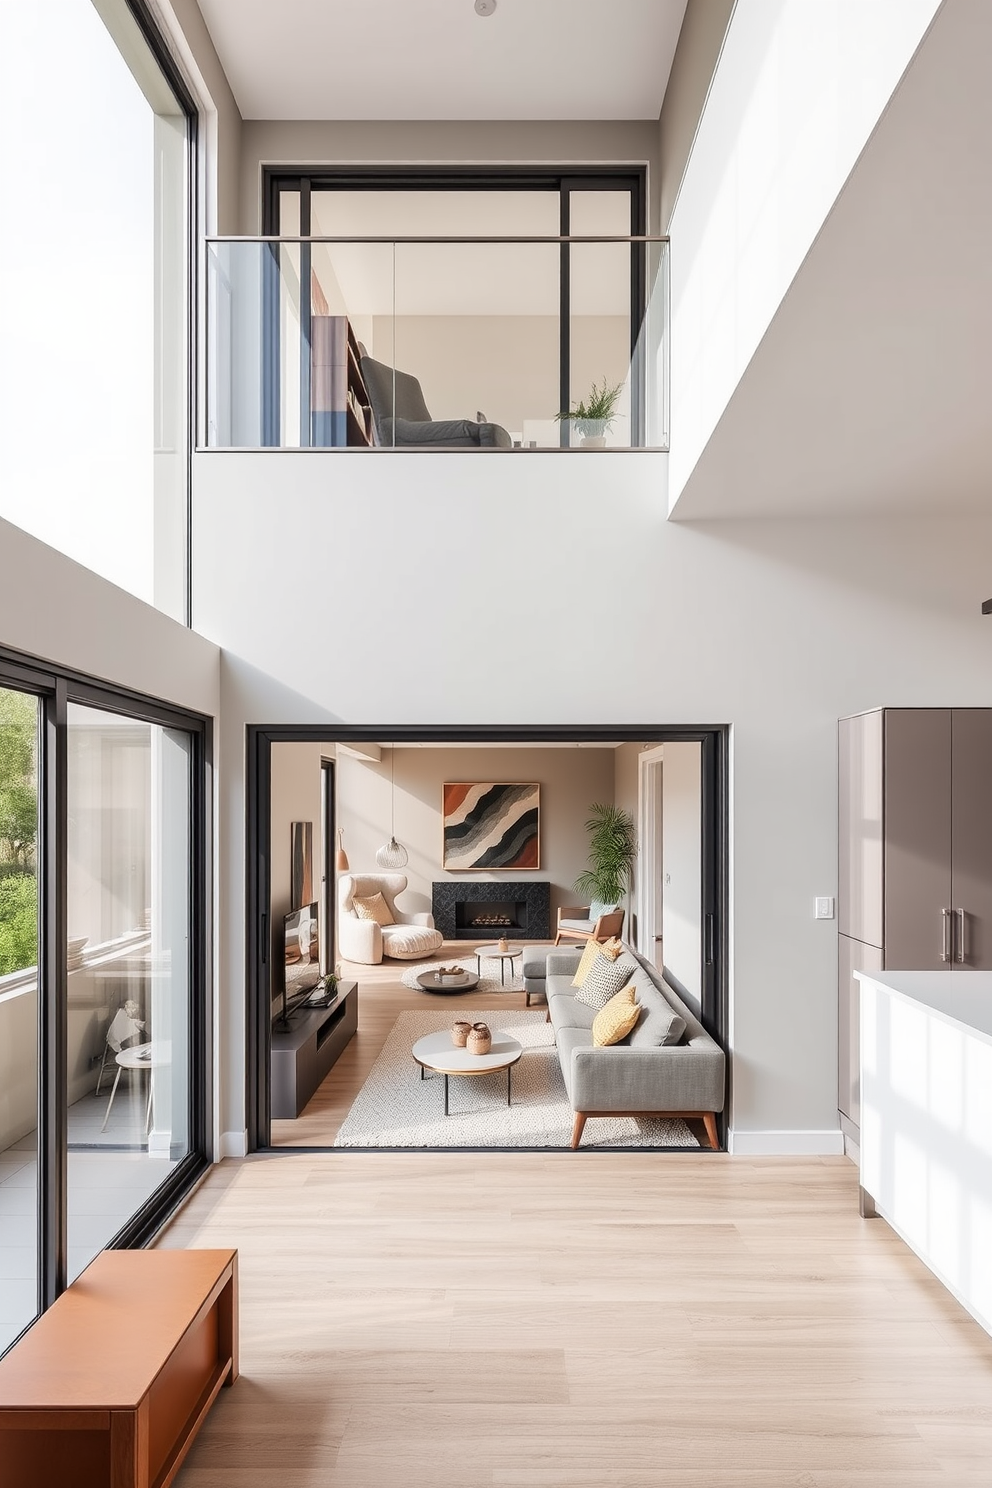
[437,59]
[870,390]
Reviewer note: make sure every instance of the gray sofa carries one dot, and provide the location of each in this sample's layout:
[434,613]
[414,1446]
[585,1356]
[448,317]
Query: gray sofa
[402,419]
[687,1078]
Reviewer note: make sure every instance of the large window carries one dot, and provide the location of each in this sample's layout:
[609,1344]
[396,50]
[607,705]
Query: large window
[102,975]
[95,133]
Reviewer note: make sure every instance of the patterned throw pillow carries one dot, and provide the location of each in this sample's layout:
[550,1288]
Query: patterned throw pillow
[612,948]
[590,954]
[604,980]
[373,908]
[614,1021]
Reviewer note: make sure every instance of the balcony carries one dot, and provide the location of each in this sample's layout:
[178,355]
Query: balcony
[420,344]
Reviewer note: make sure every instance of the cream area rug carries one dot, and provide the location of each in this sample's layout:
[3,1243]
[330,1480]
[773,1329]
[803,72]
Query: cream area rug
[488,978]
[396,1108]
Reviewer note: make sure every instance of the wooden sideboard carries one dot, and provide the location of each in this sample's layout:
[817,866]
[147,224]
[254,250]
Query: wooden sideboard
[110,1386]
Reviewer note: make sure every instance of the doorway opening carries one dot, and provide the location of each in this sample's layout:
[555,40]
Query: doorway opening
[367,793]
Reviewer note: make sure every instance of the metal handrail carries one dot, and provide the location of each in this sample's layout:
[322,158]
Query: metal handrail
[353,238]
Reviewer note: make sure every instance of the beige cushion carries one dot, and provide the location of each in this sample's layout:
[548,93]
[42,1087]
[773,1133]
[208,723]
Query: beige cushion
[591,953]
[373,908]
[410,942]
[614,1021]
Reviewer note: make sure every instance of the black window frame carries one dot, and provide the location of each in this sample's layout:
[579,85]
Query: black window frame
[56,687]
[306,180]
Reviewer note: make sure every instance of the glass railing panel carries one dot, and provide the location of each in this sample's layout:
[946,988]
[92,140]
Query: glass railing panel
[477,344]
[437,344]
[352,291]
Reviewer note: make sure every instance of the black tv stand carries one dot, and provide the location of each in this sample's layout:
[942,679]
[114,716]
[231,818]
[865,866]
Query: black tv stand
[304,1051]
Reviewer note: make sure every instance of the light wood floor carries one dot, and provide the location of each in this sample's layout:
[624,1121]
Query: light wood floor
[580,1320]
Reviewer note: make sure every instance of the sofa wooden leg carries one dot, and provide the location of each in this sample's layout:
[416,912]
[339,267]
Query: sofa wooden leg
[709,1121]
[577,1129]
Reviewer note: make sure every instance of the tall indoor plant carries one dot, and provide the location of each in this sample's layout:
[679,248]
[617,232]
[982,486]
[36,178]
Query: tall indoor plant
[612,849]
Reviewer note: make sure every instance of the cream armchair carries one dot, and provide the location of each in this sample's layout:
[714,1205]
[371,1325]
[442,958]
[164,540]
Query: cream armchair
[363,941]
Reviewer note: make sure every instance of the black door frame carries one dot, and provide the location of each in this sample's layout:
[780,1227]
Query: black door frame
[259,741]
[55,688]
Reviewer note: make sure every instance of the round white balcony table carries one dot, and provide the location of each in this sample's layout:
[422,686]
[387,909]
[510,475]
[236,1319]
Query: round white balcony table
[436,1052]
[492,952]
[140,1057]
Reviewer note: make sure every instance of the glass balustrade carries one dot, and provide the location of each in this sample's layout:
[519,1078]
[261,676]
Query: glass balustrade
[437,344]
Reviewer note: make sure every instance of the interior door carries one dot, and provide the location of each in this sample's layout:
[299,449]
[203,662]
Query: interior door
[971,807]
[918,900]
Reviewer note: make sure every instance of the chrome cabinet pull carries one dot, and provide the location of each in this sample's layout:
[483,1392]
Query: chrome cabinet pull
[945,935]
[962,954]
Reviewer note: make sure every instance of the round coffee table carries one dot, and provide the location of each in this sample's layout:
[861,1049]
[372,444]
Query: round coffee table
[494,952]
[436,1052]
[427,982]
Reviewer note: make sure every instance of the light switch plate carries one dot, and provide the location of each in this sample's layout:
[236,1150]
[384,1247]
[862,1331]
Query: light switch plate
[823,908]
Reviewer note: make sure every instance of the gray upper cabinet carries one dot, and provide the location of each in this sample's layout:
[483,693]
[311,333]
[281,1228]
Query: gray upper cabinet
[917,838]
[915,845]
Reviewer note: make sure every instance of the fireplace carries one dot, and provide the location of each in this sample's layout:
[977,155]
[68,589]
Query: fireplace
[476,909]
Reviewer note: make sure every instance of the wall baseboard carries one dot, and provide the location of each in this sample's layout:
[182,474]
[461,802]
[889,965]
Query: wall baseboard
[786,1143]
[233,1144]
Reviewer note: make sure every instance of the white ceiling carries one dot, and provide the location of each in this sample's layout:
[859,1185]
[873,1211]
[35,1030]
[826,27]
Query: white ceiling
[437,59]
[872,388]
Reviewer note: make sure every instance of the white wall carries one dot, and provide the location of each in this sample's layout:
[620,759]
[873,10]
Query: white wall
[775,628]
[681,842]
[798,90]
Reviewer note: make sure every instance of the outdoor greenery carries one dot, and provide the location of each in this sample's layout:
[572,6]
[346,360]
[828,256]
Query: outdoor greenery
[612,849]
[18,831]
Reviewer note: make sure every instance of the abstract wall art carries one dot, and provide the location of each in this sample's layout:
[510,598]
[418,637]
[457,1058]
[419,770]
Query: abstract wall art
[490,824]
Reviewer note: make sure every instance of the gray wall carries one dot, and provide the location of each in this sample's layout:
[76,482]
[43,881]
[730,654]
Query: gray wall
[322,142]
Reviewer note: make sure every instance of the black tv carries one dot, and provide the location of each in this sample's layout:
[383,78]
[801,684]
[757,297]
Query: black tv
[301,957]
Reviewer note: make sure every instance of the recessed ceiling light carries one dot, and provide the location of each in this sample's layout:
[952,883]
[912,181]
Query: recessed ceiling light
[485,7]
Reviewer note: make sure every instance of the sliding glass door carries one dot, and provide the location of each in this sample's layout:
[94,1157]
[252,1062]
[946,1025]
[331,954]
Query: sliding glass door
[19,1012]
[128,969]
[103,976]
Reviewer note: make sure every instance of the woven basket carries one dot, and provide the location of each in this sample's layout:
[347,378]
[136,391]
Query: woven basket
[480,1040]
[460,1033]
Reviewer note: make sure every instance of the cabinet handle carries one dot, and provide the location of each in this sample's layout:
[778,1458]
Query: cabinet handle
[962,954]
[945,935]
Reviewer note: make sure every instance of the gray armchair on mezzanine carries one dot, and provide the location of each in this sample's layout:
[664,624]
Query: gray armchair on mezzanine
[403,421]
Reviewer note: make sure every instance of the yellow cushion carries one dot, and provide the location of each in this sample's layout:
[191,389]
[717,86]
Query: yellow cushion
[373,908]
[614,1021]
[590,955]
[611,948]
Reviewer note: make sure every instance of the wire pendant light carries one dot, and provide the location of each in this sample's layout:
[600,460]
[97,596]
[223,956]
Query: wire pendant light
[392,854]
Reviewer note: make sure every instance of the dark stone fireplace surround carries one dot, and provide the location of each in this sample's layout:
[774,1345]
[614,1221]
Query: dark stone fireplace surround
[454,902]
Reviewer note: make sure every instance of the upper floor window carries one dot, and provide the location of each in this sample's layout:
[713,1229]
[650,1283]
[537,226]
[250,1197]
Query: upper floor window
[440,311]
[95,291]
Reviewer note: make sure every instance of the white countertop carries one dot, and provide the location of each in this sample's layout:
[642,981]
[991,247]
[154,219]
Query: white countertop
[962,997]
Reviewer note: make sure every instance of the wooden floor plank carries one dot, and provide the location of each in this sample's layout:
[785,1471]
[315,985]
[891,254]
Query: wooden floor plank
[523,1320]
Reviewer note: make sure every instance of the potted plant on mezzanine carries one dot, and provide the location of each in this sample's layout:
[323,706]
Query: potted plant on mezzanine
[594,415]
